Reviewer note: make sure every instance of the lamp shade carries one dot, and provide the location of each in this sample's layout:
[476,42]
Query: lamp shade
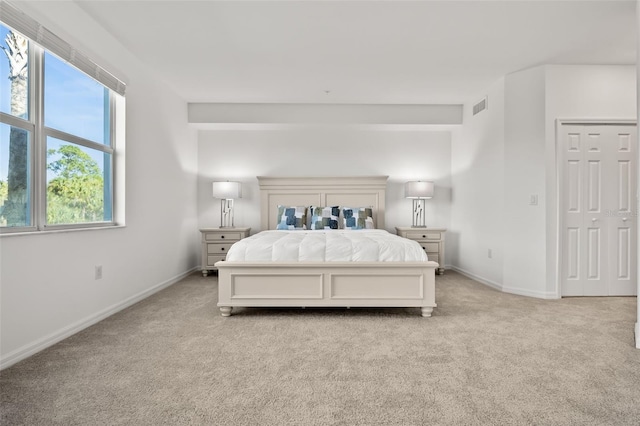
[418,190]
[227,190]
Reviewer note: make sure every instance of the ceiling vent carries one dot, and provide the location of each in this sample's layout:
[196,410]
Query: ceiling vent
[480,106]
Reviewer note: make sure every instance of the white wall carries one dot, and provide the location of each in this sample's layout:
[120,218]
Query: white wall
[477,211]
[47,281]
[638,115]
[524,175]
[318,150]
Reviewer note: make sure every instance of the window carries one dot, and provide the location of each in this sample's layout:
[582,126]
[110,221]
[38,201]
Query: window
[77,129]
[56,132]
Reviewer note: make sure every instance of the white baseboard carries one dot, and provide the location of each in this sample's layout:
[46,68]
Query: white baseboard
[478,278]
[503,288]
[57,336]
[529,293]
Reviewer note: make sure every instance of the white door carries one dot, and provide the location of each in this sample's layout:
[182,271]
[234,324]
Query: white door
[598,209]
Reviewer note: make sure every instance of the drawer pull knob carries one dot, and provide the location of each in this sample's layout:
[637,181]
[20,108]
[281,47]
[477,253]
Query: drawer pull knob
[424,236]
[221,236]
[222,249]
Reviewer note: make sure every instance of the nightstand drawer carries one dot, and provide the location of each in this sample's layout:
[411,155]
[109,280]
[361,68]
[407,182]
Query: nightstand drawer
[222,236]
[433,257]
[218,248]
[431,247]
[424,235]
[211,260]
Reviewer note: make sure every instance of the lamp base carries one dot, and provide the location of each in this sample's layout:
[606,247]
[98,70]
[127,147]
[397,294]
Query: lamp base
[418,213]
[226,213]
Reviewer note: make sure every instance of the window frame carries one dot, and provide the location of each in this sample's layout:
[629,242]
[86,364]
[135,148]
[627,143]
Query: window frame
[38,149]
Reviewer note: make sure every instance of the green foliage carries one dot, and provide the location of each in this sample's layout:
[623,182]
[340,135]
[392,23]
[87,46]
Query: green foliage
[4,194]
[14,209]
[76,193]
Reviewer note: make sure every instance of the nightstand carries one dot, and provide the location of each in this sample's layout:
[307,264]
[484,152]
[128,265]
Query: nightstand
[216,242]
[430,239]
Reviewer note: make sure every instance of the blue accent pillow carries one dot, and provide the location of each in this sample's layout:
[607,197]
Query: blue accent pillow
[357,217]
[292,217]
[324,217]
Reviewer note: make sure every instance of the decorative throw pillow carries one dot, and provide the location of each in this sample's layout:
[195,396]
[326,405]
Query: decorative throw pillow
[324,217]
[357,217]
[292,217]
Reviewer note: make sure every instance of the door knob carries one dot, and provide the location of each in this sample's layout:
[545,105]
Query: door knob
[593,219]
[624,219]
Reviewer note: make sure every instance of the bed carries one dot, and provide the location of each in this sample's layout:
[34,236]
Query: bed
[331,283]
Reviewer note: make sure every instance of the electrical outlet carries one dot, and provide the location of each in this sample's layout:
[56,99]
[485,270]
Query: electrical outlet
[533,200]
[98,272]
[489,253]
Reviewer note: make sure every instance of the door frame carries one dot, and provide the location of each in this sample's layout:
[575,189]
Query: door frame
[559,183]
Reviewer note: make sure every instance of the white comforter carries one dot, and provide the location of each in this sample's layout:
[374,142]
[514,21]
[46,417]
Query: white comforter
[364,245]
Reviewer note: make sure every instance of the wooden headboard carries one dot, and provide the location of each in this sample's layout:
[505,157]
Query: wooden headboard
[349,191]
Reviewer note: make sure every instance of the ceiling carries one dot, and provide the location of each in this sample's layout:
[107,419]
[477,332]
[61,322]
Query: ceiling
[395,52]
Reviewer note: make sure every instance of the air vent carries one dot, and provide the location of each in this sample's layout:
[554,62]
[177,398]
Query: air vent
[480,106]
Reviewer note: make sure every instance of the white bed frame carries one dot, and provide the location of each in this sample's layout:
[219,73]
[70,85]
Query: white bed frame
[325,284]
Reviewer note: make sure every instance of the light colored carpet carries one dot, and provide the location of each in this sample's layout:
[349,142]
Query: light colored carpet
[484,358]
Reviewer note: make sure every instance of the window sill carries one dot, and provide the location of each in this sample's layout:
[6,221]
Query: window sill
[60,231]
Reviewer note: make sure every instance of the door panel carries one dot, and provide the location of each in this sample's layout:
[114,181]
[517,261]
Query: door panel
[624,253]
[573,254]
[594,141]
[594,254]
[594,189]
[574,186]
[624,142]
[624,186]
[573,267]
[624,220]
[598,216]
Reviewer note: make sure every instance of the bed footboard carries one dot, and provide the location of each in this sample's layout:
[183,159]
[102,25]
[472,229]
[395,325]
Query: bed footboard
[332,284]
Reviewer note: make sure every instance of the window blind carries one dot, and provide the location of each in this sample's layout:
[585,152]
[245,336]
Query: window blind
[31,29]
